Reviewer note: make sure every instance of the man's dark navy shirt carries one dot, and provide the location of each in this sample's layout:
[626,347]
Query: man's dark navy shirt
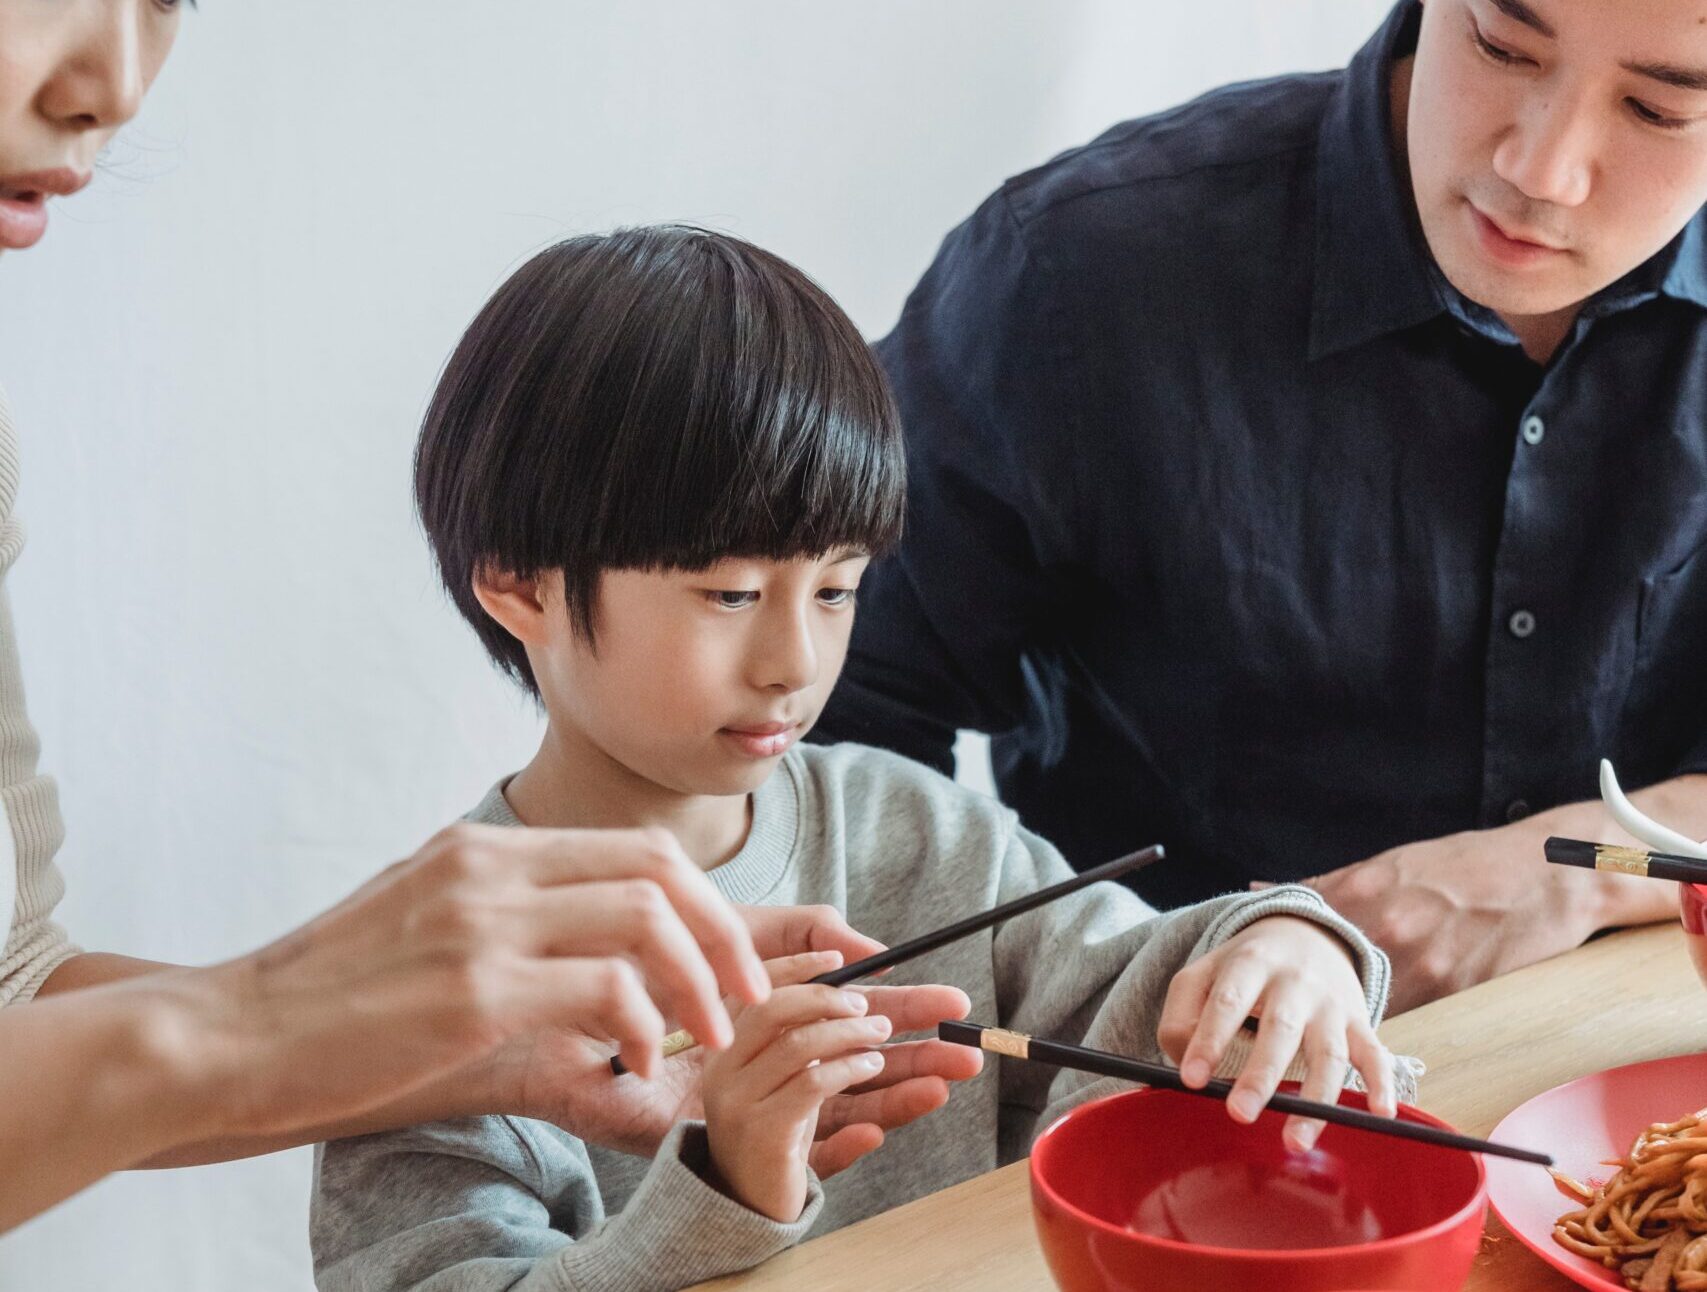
[1242,531]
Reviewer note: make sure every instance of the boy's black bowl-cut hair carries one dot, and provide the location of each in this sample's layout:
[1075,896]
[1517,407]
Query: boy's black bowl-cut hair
[654,398]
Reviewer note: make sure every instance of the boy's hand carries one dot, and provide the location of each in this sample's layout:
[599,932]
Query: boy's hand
[1300,982]
[763,1094]
[565,1077]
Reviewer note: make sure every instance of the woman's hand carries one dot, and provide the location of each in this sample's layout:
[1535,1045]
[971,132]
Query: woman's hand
[486,934]
[564,1076]
[1300,983]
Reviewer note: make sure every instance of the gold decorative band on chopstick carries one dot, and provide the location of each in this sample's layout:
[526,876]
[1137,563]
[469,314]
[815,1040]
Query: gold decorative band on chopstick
[1623,861]
[1016,1045]
[676,1042]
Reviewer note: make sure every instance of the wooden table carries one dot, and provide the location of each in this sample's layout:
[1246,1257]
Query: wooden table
[1620,999]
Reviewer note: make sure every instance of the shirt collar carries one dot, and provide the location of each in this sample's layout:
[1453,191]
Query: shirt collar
[1374,273]
[1372,264]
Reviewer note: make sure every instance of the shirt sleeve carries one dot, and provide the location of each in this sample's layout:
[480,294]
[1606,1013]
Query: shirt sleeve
[489,1204]
[1094,969]
[947,622]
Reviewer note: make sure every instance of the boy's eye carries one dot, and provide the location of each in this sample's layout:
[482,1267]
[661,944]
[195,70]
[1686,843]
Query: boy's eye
[837,596]
[727,600]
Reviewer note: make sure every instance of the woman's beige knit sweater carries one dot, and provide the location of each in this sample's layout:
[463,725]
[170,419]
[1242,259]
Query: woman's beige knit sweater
[30,834]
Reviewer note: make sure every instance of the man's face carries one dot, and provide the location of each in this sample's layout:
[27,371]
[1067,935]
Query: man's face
[1555,145]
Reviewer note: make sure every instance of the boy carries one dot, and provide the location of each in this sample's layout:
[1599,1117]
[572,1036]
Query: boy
[652,475]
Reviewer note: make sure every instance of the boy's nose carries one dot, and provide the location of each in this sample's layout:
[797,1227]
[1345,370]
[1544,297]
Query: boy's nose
[788,658]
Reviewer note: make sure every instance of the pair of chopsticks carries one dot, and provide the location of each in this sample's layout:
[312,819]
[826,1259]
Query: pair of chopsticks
[1626,861]
[1017,1045]
[676,1042]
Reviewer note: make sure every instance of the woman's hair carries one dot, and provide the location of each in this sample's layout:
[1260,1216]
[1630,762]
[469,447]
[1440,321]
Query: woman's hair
[654,398]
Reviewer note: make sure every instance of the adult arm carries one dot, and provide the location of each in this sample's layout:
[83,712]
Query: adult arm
[484,935]
[1454,911]
[563,1076]
[945,622]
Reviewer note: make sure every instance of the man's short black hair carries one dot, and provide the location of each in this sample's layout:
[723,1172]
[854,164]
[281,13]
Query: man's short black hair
[653,398]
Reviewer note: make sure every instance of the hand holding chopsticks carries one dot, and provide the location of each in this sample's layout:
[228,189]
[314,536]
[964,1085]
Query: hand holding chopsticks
[1017,1045]
[677,1042]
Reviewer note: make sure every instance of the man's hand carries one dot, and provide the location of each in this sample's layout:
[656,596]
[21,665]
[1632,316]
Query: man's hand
[1452,912]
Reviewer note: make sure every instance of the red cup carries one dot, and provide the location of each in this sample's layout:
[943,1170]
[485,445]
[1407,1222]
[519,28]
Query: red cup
[1692,904]
[1156,1191]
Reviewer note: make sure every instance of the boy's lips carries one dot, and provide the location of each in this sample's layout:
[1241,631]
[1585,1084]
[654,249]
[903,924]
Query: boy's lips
[762,739]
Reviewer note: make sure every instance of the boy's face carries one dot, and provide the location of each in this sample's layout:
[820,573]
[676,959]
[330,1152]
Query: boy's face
[700,681]
[1554,145]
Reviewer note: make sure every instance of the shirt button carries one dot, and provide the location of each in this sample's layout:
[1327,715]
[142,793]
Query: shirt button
[1516,810]
[1534,430]
[1521,623]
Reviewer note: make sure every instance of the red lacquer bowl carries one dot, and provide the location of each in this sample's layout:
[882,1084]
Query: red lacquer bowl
[1155,1191]
[1692,902]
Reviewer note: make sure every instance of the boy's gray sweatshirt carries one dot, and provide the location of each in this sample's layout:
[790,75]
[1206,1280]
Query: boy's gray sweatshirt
[506,1203]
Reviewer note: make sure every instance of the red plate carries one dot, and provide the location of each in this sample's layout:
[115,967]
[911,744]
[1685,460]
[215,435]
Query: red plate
[1582,1123]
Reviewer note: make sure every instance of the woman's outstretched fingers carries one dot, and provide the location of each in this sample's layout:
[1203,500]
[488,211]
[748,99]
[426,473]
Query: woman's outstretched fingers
[576,856]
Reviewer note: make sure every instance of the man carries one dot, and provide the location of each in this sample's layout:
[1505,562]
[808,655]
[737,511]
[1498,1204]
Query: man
[1314,477]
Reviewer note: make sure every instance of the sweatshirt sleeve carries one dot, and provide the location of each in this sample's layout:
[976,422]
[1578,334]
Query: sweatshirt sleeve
[493,1204]
[1094,969]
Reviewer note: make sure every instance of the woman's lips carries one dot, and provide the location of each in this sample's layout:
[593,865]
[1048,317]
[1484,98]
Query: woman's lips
[23,218]
[23,203]
[763,740]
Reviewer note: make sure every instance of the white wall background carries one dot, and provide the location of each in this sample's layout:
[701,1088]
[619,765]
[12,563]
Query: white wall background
[248,683]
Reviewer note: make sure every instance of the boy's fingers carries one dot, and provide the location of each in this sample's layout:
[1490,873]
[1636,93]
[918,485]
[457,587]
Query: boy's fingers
[840,1151]
[790,1008]
[1374,1062]
[798,1048]
[1324,1077]
[917,1009]
[1285,1011]
[809,1089]
[1181,1010]
[1225,1006]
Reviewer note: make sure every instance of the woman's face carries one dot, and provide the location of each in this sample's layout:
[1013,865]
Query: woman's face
[71,73]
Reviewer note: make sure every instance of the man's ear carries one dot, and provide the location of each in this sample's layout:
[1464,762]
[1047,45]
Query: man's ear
[520,605]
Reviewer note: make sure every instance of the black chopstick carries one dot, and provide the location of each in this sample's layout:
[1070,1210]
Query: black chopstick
[1626,861]
[676,1042]
[1017,1045]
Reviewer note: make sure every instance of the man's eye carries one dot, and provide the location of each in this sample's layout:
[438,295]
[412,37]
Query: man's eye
[837,596]
[731,600]
[1653,117]
[1497,53]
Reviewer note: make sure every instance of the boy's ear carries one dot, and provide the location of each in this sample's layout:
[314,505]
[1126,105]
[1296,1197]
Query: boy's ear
[518,604]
